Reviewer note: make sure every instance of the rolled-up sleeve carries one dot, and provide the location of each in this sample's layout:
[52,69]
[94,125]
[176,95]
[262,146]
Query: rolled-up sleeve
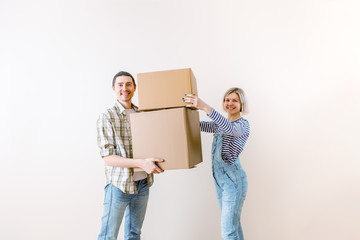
[105,136]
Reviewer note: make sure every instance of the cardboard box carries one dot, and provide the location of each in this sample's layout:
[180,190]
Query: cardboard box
[164,89]
[170,134]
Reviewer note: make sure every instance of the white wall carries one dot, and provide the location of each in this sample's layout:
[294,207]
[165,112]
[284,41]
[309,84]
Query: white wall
[298,61]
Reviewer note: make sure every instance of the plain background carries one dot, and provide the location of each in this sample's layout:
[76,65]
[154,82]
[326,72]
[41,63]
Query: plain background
[298,62]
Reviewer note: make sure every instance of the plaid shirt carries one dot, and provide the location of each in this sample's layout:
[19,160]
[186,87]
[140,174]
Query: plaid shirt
[114,138]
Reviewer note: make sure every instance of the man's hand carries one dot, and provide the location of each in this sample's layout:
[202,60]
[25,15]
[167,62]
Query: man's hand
[149,165]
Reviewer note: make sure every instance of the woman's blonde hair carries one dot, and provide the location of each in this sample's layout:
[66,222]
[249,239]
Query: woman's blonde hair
[244,106]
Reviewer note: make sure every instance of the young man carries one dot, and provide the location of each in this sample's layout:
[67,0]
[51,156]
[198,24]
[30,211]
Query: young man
[125,189]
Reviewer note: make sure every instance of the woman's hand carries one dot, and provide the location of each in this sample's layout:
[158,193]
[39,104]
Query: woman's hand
[197,103]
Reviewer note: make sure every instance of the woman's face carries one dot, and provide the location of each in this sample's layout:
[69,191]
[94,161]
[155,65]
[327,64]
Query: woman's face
[232,104]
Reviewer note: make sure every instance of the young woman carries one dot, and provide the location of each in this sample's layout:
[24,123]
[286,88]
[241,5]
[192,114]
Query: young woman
[230,136]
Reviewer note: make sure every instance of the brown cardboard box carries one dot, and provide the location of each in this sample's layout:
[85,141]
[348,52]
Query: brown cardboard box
[164,89]
[170,134]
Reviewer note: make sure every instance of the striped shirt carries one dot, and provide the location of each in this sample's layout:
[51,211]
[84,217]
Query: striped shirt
[235,134]
[114,138]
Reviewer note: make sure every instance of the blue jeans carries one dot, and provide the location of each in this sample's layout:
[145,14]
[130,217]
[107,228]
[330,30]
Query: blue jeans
[115,204]
[231,187]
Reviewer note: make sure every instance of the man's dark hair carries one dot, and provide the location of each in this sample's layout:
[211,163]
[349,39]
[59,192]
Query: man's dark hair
[123,73]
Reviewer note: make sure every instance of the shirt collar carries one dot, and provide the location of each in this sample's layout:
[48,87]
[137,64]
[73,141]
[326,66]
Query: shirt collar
[122,109]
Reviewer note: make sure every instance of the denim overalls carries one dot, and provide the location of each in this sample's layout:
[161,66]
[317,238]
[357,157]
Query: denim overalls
[231,186]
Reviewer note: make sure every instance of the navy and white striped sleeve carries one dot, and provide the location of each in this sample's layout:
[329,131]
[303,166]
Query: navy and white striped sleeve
[209,127]
[225,125]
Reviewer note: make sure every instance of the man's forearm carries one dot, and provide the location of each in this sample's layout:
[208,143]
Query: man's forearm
[118,161]
[147,164]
